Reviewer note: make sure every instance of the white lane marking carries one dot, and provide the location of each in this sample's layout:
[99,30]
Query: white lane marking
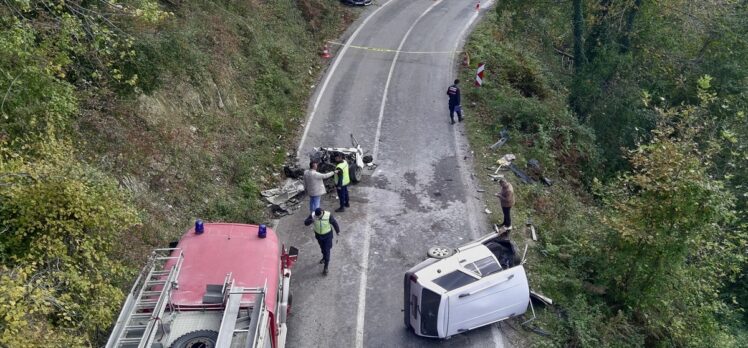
[389,78]
[332,72]
[361,315]
[498,337]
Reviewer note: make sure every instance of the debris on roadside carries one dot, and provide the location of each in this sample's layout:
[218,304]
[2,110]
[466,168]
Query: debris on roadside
[540,297]
[293,171]
[505,161]
[537,330]
[504,138]
[284,200]
[496,177]
[531,228]
[536,171]
[487,211]
[521,175]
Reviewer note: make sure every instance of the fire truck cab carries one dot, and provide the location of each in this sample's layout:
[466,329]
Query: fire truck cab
[222,285]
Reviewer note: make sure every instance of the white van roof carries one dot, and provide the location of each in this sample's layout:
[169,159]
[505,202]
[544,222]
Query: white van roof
[463,257]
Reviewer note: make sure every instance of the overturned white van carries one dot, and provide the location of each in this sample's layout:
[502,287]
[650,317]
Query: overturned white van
[457,290]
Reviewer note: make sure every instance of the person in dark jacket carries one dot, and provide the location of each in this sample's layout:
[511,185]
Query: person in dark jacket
[454,102]
[323,222]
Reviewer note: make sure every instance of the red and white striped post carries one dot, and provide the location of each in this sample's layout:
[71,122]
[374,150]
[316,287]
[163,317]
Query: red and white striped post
[479,75]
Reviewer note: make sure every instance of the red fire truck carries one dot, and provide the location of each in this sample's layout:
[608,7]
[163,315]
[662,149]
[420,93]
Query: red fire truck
[221,285]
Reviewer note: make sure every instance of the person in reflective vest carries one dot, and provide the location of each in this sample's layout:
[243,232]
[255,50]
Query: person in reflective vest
[322,223]
[342,179]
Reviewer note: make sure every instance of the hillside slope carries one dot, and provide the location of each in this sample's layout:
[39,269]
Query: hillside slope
[123,121]
[637,115]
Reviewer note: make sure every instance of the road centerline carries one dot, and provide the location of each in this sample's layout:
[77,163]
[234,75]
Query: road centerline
[361,315]
[332,72]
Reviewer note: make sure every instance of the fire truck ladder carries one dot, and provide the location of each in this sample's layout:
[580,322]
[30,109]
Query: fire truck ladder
[258,318]
[137,323]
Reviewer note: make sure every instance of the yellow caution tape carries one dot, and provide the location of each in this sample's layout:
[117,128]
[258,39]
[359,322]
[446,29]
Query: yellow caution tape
[378,49]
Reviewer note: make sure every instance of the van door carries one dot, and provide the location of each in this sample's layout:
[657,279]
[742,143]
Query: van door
[494,297]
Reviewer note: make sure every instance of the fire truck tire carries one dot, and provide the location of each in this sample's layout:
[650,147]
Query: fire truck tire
[356,173]
[197,339]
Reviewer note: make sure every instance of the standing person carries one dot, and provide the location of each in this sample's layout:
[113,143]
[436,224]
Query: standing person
[314,185]
[342,179]
[454,102]
[323,222]
[506,196]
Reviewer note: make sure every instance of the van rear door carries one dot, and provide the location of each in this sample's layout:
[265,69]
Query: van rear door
[493,298]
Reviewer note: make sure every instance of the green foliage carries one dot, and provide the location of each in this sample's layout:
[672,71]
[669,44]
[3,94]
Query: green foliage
[669,223]
[654,255]
[62,221]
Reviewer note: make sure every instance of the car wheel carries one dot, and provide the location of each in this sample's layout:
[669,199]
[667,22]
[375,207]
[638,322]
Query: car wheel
[439,252]
[356,173]
[197,339]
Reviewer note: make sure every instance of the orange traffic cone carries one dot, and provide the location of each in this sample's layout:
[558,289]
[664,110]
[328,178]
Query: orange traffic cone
[326,52]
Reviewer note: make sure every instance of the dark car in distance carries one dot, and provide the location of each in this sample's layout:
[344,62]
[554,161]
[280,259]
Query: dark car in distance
[357,2]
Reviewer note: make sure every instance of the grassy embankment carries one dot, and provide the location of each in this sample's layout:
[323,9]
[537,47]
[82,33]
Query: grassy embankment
[120,123]
[525,93]
[224,90]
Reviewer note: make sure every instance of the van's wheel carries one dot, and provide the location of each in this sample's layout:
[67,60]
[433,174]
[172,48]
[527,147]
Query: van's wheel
[356,173]
[197,339]
[439,252]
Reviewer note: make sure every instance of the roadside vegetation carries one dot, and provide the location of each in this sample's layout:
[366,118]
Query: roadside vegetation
[637,112]
[122,121]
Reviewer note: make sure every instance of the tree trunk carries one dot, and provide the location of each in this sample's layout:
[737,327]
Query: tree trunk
[630,17]
[578,31]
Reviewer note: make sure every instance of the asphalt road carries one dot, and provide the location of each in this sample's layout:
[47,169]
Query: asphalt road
[420,194]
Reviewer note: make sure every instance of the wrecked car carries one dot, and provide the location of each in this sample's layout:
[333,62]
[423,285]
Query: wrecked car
[354,155]
[457,290]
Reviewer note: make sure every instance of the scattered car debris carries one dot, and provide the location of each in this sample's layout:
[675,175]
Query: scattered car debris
[284,199]
[504,138]
[487,211]
[495,177]
[505,161]
[537,330]
[531,229]
[293,171]
[520,174]
[480,190]
[536,172]
[546,300]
